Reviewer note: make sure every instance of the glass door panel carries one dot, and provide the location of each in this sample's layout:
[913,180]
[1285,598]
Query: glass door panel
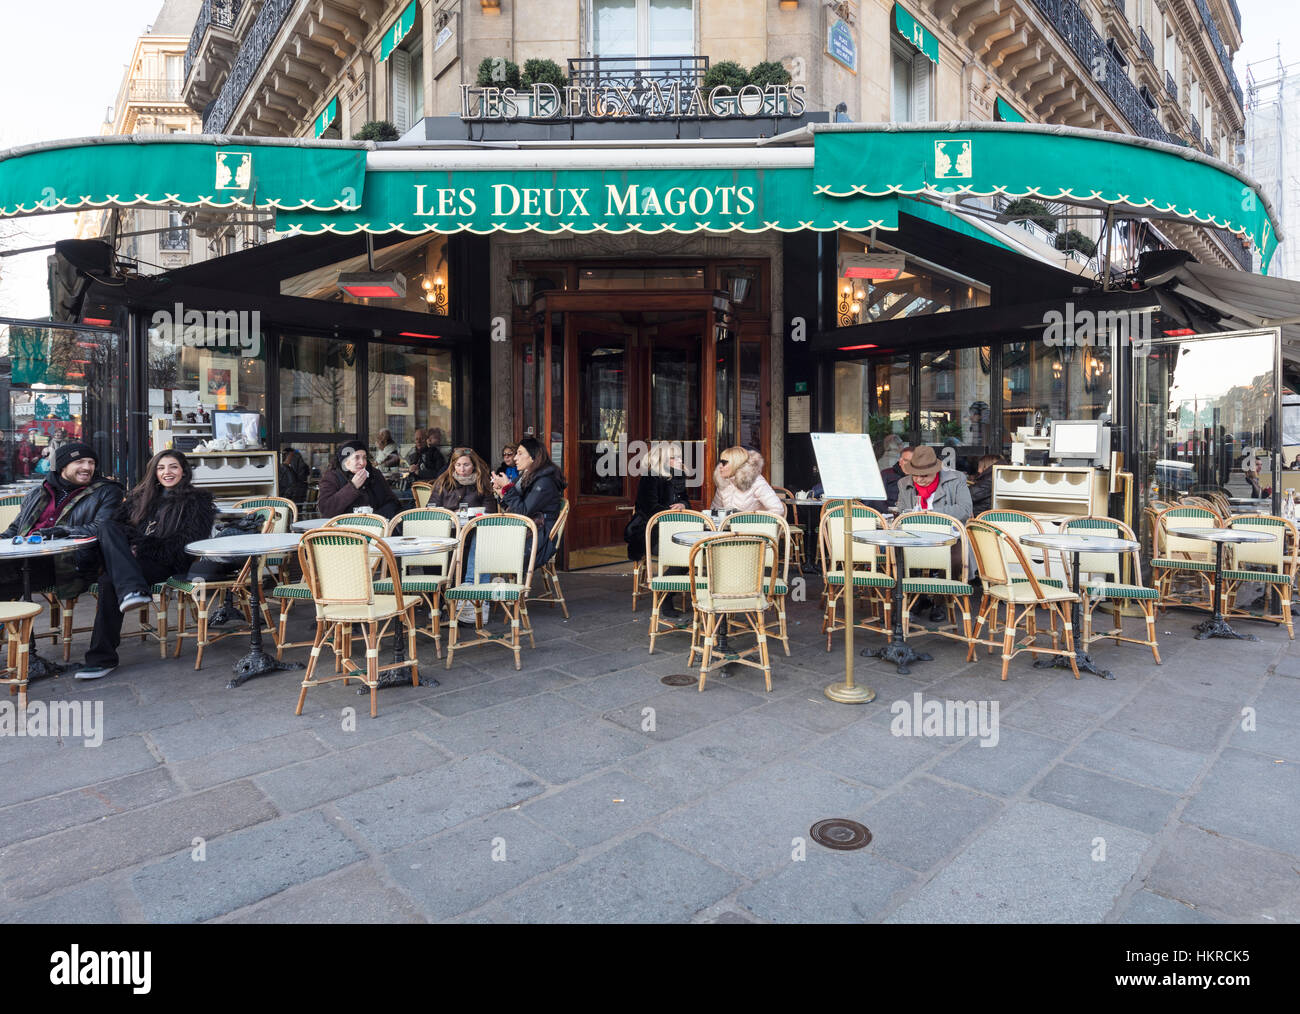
[603,357]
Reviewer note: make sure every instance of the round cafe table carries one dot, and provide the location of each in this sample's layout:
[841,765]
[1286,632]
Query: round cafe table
[898,650]
[308,524]
[257,662]
[1074,544]
[38,667]
[1216,626]
[409,545]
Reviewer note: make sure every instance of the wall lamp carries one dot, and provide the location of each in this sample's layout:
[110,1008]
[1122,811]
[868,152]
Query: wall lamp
[491,7]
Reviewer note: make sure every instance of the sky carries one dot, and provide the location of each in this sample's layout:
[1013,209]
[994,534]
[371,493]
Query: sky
[47,99]
[61,63]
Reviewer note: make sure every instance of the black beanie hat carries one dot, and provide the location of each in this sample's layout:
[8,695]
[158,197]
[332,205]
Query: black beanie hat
[70,452]
[349,449]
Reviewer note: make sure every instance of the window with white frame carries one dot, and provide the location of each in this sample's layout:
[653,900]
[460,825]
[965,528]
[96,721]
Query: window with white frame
[406,76]
[642,28]
[910,91]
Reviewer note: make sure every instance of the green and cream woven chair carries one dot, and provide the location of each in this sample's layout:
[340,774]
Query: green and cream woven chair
[155,627]
[1000,559]
[198,596]
[505,546]
[286,513]
[336,562]
[550,573]
[733,587]
[1109,577]
[1273,564]
[1183,560]
[777,567]
[421,492]
[797,556]
[10,508]
[662,584]
[425,576]
[936,579]
[872,578]
[61,610]
[16,619]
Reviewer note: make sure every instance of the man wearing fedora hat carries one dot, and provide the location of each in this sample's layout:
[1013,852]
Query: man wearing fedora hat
[929,486]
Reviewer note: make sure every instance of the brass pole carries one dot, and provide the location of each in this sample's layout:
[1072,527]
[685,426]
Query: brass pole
[846,692]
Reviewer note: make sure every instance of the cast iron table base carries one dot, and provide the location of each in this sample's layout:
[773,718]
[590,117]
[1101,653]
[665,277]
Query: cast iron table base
[257,662]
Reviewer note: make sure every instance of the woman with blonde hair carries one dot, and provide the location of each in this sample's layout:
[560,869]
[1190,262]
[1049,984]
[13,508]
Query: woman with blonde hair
[740,486]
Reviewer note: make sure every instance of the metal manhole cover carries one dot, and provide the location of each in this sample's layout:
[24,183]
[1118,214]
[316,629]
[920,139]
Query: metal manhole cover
[841,834]
[679,680]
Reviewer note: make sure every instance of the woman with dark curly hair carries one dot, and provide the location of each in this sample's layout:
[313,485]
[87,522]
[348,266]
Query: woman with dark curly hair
[160,516]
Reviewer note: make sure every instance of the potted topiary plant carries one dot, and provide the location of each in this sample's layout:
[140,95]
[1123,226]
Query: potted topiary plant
[1033,211]
[1075,240]
[497,72]
[377,130]
[538,71]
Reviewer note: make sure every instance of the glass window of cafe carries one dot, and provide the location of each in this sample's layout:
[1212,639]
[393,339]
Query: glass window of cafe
[60,384]
[920,288]
[206,381]
[1042,382]
[410,388]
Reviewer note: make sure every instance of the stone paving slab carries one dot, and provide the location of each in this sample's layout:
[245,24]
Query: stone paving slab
[509,687]
[86,903]
[645,880]
[1236,880]
[249,759]
[69,857]
[1109,799]
[356,895]
[1033,865]
[826,886]
[1138,760]
[67,766]
[596,810]
[562,755]
[1017,759]
[82,806]
[925,821]
[241,868]
[466,868]
[1251,797]
[489,728]
[679,710]
[1147,907]
[1181,720]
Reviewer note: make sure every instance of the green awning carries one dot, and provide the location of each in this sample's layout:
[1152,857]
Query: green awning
[326,119]
[1005,112]
[122,172]
[914,32]
[955,223]
[598,200]
[394,36]
[1046,162]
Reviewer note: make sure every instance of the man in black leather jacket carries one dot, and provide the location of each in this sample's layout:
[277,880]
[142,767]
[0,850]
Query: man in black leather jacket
[75,502]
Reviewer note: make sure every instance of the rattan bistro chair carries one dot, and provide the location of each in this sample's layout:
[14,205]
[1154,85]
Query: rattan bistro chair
[734,587]
[286,513]
[336,562]
[1271,563]
[421,492]
[1104,578]
[871,570]
[505,545]
[797,556]
[776,569]
[662,584]
[1182,559]
[198,596]
[10,507]
[550,573]
[427,574]
[16,619]
[936,578]
[999,556]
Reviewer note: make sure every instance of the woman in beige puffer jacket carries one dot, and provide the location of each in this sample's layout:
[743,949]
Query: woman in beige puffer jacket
[740,485]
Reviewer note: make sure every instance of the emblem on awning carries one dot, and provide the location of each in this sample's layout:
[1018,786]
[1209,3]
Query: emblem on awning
[952,159]
[234,170]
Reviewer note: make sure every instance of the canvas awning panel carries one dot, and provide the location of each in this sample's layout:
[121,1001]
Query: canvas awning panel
[914,32]
[1053,163]
[122,172]
[612,200]
[399,30]
[326,118]
[1006,112]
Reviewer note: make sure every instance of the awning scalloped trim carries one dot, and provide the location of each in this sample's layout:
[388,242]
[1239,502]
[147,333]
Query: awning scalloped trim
[442,229]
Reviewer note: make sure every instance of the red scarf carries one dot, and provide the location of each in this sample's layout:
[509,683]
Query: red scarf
[923,493]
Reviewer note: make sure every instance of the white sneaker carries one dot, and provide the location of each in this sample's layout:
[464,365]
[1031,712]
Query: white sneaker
[465,614]
[93,674]
[135,600]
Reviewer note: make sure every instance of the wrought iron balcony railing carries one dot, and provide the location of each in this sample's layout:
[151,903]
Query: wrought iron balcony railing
[1225,61]
[1196,129]
[1075,27]
[1146,45]
[1236,249]
[252,51]
[637,72]
[221,13]
[1236,13]
[174,239]
[1170,87]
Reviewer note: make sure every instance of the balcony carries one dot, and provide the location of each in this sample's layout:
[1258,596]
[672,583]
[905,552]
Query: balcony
[638,72]
[1077,30]
[212,47]
[1146,45]
[150,90]
[215,14]
[174,240]
[1170,87]
[1225,61]
[1236,13]
[1237,250]
[1196,129]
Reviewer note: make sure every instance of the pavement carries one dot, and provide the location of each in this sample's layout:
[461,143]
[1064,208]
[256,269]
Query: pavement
[582,789]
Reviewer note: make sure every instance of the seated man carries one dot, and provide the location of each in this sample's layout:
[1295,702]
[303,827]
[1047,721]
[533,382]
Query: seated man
[73,503]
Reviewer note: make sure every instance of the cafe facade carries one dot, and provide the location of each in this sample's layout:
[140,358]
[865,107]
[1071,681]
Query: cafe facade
[757,280]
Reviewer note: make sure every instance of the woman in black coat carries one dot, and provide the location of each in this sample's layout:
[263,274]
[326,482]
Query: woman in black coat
[538,493]
[662,488]
[353,485]
[160,517]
